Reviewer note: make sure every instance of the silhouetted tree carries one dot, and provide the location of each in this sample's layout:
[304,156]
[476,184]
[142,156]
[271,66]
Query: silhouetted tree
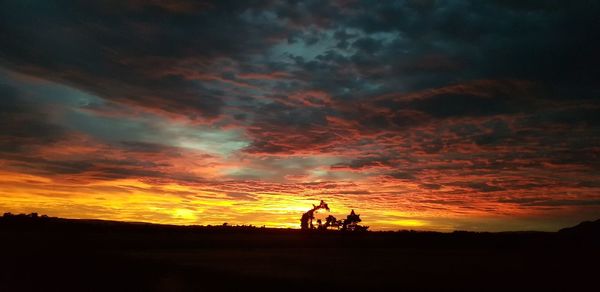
[306,222]
[351,222]
[331,221]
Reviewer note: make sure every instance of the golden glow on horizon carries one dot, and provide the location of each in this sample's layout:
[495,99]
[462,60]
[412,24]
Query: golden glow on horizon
[171,203]
[184,214]
[404,223]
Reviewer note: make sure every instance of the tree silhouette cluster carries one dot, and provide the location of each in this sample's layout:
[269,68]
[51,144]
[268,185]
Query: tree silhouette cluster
[11,216]
[306,222]
[348,224]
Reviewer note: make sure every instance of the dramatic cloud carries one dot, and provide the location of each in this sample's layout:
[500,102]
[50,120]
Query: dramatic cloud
[420,113]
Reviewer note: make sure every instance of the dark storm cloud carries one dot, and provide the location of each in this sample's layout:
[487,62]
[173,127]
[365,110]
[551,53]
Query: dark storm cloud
[576,115]
[131,52]
[22,123]
[450,105]
[470,87]
[445,42]
[134,52]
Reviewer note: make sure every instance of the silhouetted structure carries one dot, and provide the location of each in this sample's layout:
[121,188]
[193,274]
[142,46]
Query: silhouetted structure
[349,224]
[306,222]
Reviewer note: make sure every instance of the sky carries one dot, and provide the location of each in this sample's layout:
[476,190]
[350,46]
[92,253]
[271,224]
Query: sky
[423,114]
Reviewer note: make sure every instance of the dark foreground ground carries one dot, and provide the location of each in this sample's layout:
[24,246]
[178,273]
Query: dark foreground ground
[74,255]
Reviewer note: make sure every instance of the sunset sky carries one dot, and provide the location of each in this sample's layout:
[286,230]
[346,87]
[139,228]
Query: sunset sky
[429,115]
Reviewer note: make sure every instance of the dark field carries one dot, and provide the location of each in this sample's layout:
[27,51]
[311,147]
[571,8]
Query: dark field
[57,255]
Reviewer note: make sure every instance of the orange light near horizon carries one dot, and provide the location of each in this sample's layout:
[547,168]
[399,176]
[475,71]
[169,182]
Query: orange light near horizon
[173,203]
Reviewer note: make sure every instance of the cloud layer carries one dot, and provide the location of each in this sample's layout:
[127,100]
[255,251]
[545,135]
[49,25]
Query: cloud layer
[429,114]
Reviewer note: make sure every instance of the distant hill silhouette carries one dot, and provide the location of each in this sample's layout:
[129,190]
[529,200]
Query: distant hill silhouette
[583,228]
